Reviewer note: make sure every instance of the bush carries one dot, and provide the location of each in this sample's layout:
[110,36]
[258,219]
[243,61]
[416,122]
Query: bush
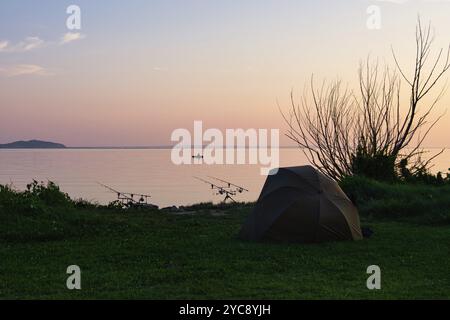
[49,194]
[35,200]
[42,212]
[378,166]
[12,201]
[415,202]
[421,175]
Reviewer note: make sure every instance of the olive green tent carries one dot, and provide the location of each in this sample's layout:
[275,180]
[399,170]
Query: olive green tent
[300,204]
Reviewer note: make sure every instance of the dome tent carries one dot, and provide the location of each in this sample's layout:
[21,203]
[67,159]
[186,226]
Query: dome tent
[300,204]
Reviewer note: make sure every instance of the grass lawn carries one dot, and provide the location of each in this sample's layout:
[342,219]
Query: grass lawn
[157,255]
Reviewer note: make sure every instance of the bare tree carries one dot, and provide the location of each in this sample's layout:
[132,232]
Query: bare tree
[336,126]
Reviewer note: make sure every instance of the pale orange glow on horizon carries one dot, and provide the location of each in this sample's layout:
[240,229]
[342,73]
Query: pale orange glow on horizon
[133,83]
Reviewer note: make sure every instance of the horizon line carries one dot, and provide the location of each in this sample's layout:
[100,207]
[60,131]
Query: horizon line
[165,147]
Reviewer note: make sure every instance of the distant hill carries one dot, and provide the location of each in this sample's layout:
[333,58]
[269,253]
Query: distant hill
[32,144]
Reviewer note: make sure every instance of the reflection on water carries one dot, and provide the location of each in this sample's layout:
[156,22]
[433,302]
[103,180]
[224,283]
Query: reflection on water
[151,171]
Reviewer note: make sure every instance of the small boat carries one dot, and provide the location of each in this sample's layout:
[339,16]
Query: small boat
[198,156]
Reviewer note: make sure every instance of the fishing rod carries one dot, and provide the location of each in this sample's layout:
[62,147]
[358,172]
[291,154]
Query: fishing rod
[126,195]
[221,190]
[213,185]
[239,188]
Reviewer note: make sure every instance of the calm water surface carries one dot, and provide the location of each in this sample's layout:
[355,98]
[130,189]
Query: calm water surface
[149,171]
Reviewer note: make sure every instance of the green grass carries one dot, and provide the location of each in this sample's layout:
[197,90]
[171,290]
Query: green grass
[156,255]
[161,256]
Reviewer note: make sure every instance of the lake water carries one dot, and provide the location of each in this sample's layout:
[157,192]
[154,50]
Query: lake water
[148,171]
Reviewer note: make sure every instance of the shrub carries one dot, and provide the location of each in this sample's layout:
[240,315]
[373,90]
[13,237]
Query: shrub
[49,193]
[378,166]
[417,202]
[43,213]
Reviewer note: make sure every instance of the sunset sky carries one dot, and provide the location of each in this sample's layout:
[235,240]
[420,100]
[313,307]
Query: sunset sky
[139,69]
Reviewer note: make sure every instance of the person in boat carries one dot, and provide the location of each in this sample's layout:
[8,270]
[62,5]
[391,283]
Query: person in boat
[198,156]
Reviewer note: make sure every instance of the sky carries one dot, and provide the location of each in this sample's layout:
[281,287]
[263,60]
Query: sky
[139,69]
